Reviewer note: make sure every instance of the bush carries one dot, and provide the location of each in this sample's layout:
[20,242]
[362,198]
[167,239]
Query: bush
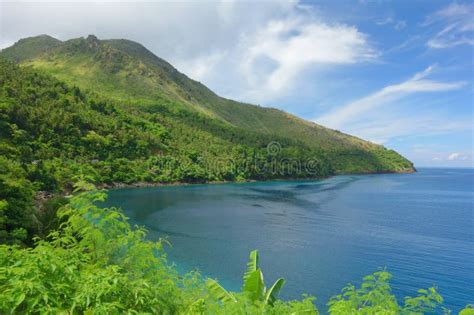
[94,263]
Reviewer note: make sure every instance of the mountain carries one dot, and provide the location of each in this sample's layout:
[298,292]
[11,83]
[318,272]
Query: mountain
[127,72]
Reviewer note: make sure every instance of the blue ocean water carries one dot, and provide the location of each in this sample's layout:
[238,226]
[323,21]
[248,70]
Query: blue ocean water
[321,235]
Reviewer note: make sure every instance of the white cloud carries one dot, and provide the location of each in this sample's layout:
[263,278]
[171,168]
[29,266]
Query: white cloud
[202,66]
[457,156]
[358,109]
[439,153]
[457,22]
[291,45]
[454,156]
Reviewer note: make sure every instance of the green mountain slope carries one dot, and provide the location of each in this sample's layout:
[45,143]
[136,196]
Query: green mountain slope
[127,72]
[30,47]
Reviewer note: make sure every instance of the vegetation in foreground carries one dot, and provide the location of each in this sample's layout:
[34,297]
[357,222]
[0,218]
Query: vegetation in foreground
[96,263]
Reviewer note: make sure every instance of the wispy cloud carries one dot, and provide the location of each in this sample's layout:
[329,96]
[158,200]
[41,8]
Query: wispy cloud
[457,22]
[385,21]
[439,155]
[400,25]
[453,157]
[397,24]
[357,110]
[381,128]
[292,45]
[201,66]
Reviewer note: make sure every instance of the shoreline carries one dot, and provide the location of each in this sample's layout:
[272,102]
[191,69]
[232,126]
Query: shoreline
[43,196]
[114,186]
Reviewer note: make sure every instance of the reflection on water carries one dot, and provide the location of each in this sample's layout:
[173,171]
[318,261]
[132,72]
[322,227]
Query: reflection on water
[320,235]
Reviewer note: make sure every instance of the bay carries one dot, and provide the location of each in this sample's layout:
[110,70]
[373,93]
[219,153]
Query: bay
[321,235]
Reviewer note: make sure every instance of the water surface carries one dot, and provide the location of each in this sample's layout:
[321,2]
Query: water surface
[320,235]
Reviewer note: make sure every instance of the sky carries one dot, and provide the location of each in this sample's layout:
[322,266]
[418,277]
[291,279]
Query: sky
[398,73]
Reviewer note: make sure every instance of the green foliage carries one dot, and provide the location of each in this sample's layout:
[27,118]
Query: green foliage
[46,215]
[95,263]
[468,310]
[252,265]
[28,48]
[16,206]
[272,293]
[374,297]
[217,292]
[253,290]
[254,286]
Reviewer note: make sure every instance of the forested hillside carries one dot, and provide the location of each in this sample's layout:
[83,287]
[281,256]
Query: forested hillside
[130,74]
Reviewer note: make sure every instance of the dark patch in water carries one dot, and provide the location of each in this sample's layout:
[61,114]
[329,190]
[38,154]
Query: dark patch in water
[277,214]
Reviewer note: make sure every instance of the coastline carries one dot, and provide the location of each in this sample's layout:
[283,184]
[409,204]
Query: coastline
[43,196]
[289,179]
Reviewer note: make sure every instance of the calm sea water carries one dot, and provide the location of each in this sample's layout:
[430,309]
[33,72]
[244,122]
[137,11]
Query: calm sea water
[320,235]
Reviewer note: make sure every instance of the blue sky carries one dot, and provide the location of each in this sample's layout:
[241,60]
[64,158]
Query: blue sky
[399,73]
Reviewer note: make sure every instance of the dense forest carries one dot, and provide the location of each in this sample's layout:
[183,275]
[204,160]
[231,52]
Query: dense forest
[139,81]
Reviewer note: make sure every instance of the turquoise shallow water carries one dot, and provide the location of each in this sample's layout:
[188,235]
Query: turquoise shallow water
[320,235]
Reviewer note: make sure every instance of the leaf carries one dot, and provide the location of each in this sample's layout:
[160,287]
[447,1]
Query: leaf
[20,299]
[272,293]
[218,292]
[252,265]
[254,286]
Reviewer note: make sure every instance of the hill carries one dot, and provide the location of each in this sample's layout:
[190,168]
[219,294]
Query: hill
[127,72]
